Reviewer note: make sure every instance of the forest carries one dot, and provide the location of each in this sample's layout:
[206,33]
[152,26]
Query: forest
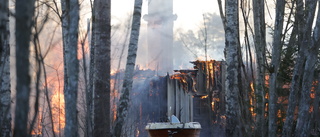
[71,68]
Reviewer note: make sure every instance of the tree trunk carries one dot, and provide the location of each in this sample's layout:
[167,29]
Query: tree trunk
[89,94]
[24,14]
[65,39]
[275,62]
[297,72]
[5,91]
[316,116]
[303,121]
[102,31]
[232,63]
[72,66]
[260,46]
[122,109]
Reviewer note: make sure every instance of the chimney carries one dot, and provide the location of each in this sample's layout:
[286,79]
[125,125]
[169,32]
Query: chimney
[160,35]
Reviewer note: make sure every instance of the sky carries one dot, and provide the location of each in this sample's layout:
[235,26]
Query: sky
[189,17]
[189,12]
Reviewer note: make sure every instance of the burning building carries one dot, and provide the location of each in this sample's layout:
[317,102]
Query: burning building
[159,91]
[189,94]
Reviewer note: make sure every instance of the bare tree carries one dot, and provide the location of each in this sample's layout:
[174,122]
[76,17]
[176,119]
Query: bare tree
[298,67]
[101,71]
[89,94]
[275,62]
[260,46]
[122,109]
[70,22]
[5,91]
[312,47]
[232,62]
[23,16]
[315,124]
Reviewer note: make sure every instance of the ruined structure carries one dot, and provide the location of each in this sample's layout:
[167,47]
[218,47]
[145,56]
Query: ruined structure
[198,94]
[192,95]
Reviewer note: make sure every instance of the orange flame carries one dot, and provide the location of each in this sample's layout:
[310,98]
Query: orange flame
[212,105]
[58,112]
[37,130]
[203,97]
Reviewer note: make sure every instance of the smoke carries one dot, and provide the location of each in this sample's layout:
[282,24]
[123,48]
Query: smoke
[163,45]
[209,36]
[147,101]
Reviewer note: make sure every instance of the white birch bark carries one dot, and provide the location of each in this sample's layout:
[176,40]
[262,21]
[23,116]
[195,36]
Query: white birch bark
[232,63]
[122,110]
[101,70]
[5,91]
[23,15]
[275,62]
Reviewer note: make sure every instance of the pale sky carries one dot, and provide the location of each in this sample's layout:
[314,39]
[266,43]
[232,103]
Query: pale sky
[189,12]
[189,17]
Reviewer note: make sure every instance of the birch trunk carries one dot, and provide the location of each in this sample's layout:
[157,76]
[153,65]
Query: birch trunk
[23,15]
[70,22]
[122,109]
[303,121]
[5,91]
[232,63]
[102,41]
[275,62]
[297,72]
[85,76]
[260,46]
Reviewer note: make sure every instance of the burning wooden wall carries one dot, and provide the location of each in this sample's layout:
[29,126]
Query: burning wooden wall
[198,94]
[191,95]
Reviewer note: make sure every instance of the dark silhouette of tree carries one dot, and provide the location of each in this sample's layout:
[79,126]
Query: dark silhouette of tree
[101,70]
[23,16]
[5,91]
[70,23]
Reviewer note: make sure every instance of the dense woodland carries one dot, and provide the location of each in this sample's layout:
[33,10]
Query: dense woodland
[272,69]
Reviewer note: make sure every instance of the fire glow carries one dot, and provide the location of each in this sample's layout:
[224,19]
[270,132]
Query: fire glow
[58,112]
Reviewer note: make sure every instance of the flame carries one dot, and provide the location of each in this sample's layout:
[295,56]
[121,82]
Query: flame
[251,86]
[212,105]
[137,132]
[114,96]
[279,114]
[251,108]
[203,97]
[114,110]
[58,112]
[313,89]
[203,58]
[113,71]
[37,130]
